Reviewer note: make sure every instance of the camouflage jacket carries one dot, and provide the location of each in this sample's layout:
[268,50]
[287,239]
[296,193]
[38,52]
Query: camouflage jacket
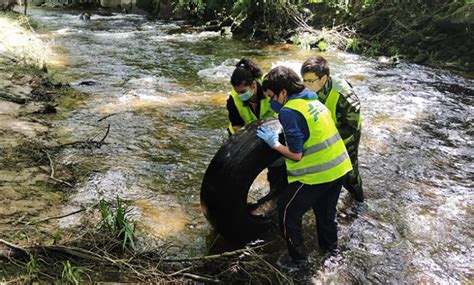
[347,109]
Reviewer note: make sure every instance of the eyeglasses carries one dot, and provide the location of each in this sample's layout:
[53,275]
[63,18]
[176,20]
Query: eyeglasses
[310,81]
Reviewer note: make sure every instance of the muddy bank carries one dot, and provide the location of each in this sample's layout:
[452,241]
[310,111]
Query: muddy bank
[29,190]
[33,184]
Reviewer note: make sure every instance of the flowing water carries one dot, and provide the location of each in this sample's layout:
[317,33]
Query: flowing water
[163,89]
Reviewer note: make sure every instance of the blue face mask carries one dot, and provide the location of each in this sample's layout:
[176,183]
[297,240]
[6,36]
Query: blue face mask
[246,96]
[276,106]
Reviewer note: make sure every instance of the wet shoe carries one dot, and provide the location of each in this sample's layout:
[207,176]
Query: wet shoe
[328,253]
[298,254]
[358,195]
[289,265]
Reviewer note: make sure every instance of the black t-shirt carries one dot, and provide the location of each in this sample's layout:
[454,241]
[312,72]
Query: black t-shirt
[234,116]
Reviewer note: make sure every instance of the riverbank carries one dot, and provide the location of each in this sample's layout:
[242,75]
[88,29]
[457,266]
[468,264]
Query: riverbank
[31,187]
[434,33]
[37,183]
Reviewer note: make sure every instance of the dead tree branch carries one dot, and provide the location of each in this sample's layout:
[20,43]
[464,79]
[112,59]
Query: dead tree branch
[51,176]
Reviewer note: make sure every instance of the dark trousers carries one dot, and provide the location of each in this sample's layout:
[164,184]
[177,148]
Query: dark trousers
[277,178]
[297,199]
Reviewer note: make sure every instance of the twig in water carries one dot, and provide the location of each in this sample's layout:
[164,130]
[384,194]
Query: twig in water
[90,141]
[106,134]
[105,117]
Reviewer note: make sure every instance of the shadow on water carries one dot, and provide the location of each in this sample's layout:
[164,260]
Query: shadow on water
[163,92]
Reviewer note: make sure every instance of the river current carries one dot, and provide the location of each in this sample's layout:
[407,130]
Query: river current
[162,88]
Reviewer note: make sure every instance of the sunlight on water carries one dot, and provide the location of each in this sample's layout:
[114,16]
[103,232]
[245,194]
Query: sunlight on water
[164,219]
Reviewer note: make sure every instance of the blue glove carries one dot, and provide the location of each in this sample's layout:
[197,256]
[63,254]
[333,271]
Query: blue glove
[268,135]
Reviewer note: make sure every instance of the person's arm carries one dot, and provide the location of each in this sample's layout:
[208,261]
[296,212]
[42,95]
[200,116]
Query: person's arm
[234,116]
[286,152]
[348,114]
[293,134]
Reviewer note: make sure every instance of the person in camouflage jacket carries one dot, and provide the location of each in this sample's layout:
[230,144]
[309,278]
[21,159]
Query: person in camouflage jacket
[341,100]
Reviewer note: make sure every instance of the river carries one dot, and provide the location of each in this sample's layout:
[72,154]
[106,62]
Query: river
[162,88]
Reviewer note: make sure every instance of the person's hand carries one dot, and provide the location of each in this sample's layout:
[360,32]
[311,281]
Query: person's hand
[269,136]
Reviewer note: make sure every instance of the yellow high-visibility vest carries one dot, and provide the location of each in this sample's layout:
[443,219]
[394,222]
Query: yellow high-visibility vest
[333,98]
[325,158]
[246,113]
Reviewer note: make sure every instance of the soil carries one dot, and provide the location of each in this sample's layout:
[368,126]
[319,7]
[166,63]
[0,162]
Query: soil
[27,103]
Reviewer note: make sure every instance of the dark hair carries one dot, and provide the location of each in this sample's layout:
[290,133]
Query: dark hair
[282,77]
[245,72]
[317,64]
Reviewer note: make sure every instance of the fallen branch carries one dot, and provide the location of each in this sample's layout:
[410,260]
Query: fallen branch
[15,249]
[51,165]
[200,278]
[221,255]
[61,216]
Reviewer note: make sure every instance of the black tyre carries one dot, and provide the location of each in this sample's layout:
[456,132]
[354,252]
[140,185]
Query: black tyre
[227,182]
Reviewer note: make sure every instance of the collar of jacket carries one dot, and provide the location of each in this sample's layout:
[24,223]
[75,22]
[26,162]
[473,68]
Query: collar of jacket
[324,92]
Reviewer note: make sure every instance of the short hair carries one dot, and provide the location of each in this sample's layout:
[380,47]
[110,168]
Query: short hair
[282,77]
[246,72]
[317,64]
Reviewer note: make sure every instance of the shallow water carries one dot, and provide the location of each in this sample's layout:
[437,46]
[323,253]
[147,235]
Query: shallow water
[165,91]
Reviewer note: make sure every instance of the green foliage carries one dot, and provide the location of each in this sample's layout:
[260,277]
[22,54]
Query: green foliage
[202,8]
[394,51]
[71,274]
[305,40]
[117,222]
[322,45]
[354,44]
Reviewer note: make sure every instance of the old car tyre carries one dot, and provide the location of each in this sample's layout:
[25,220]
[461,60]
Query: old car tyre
[228,179]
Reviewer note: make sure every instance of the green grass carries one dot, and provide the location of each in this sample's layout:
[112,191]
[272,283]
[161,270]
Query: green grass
[71,274]
[117,222]
[31,268]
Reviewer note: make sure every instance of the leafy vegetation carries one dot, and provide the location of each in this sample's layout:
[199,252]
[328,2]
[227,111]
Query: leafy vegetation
[425,31]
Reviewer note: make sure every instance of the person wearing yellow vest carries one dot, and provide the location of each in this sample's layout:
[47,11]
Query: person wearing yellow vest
[344,105]
[247,103]
[316,161]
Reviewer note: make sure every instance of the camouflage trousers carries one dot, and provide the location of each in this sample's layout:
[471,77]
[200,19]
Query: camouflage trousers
[353,181]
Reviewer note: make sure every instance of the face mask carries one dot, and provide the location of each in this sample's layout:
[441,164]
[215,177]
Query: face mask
[276,106]
[246,96]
